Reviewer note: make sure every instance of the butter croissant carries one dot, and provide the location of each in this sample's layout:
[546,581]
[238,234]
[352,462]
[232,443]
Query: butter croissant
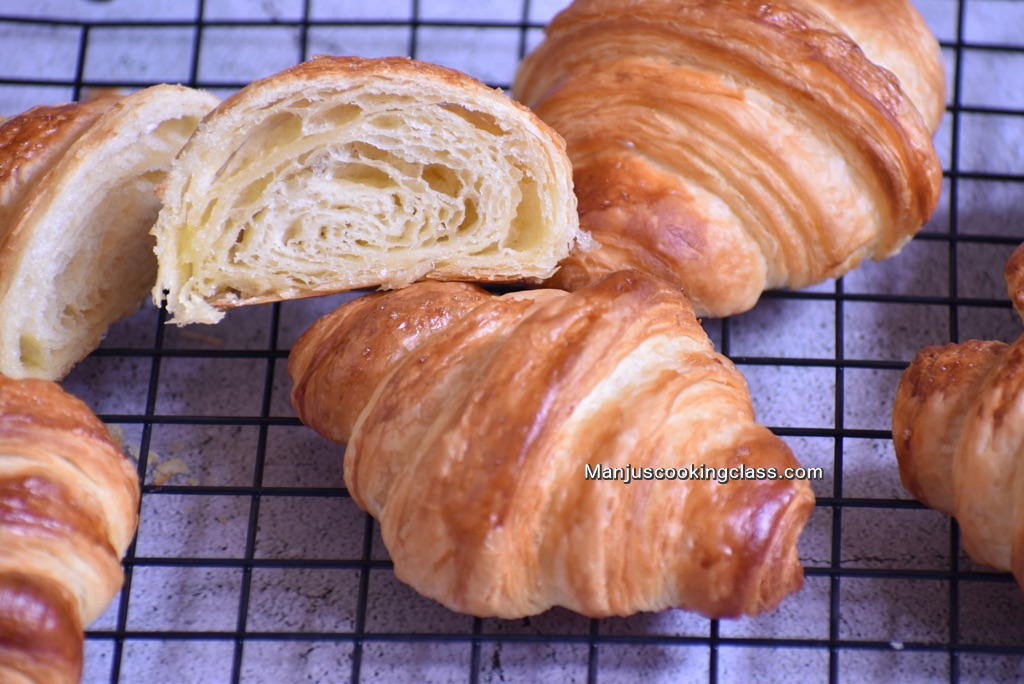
[958,428]
[736,146]
[68,510]
[482,432]
[342,173]
[77,202]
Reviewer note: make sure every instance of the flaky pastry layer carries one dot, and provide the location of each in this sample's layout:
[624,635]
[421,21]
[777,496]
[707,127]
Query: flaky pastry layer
[77,201]
[343,173]
[958,428]
[471,419]
[68,510]
[735,146]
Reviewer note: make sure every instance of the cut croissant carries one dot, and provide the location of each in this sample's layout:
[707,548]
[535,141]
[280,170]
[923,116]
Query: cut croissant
[343,173]
[68,510]
[473,420]
[77,202]
[958,427]
[737,146]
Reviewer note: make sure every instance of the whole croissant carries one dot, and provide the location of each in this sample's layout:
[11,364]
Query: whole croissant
[958,427]
[483,431]
[735,146]
[68,510]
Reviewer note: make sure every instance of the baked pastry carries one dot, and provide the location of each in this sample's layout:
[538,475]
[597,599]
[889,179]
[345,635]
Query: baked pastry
[1013,272]
[77,201]
[343,173]
[68,510]
[736,146]
[958,428]
[484,433]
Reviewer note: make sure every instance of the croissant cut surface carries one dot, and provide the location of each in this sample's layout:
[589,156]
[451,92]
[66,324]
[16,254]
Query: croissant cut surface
[735,146]
[342,173]
[68,510]
[472,421]
[77,202]
[958,426]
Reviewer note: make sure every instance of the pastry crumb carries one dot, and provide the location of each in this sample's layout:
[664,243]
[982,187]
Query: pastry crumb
[165,470]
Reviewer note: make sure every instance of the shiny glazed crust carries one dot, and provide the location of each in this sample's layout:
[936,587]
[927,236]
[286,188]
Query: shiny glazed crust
[342,173]
[68,510]
[735,146]
[471,419]
[958,426]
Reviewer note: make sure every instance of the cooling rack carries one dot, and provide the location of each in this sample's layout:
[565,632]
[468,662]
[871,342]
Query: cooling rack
[252,564]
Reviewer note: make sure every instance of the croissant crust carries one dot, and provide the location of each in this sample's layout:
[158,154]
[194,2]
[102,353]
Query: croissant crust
[736,146]
[68,510]
[472,421]
[958,427]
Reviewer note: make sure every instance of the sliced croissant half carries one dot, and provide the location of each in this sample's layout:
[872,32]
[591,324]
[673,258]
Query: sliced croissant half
[343,173]
[77,201]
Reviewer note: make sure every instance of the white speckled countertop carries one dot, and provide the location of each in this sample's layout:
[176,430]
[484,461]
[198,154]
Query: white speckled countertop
[252,565]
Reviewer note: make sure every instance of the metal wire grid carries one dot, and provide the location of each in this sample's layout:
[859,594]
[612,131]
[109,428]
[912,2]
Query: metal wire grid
[220,451]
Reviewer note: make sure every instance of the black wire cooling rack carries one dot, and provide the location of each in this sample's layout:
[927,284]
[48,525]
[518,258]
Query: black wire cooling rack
[253,565]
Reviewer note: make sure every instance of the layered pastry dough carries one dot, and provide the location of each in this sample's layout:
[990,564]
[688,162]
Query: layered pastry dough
[473,420]
[958,427]
[68,510]
[343,173]
[736,146]
[77,202]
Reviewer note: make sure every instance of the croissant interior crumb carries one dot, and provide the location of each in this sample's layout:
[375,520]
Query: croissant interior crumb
[96,228]
[366,183]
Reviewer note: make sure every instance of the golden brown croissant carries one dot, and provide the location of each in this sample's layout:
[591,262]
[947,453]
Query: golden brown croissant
[77,202]
[342,173]
[68,510]
[958,428]
[735,146]
[484,431]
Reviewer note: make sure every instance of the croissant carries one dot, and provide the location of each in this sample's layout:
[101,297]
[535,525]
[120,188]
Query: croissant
[958,430]
[342,173]
[486,433]
[68,510]
[77,201]
[736,146]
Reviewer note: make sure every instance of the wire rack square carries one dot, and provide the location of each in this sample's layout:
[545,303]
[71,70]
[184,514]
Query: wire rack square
[278,661]
[193,599]
[302,600]
[193,526]
[134,54]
